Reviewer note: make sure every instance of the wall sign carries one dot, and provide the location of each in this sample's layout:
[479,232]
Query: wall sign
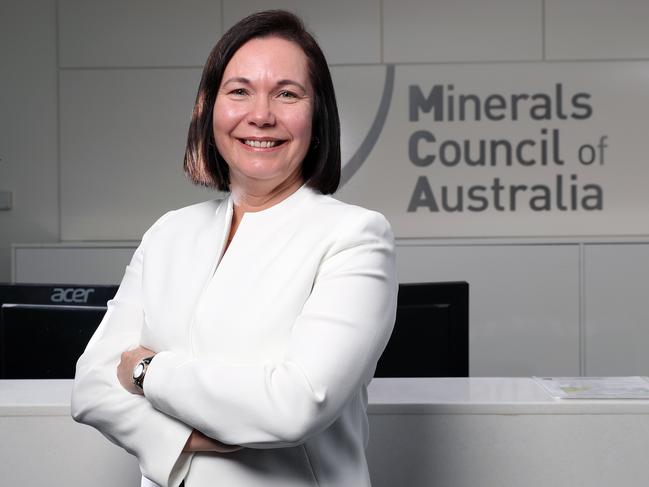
[524,149]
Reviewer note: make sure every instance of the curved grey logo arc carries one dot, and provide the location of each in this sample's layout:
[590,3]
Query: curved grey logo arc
[372,136]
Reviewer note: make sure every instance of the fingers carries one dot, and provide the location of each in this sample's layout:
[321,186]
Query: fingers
[128,360]
[197,441]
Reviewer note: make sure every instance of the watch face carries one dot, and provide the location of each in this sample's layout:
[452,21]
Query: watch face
[138,370]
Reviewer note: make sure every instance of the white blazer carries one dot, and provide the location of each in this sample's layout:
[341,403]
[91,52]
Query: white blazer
[270,346]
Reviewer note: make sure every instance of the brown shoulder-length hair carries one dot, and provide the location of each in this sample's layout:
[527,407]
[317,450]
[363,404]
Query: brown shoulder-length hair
[204,164]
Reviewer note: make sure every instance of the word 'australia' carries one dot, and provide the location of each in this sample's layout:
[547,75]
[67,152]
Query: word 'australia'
[563,196]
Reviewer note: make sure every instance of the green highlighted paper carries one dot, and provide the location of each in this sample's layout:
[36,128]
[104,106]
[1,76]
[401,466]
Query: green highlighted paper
[595,387]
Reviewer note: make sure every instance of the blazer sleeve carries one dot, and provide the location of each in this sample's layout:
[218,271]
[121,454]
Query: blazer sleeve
[99,400]
[333,349]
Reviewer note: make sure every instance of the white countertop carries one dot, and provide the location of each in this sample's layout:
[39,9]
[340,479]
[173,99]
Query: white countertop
[35,397]
[475,395]
[485,395]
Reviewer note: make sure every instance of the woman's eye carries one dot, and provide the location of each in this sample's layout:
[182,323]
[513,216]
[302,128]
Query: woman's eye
[238,92]
[287,94]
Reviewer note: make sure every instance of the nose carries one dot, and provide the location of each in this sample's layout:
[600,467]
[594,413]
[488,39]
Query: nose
[261,113]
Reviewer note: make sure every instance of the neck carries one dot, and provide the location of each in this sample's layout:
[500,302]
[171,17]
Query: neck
[258,197]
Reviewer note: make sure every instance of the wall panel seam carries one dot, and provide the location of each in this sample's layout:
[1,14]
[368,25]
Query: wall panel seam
[57,28]
[222,18]
[371,64]
[127,68]
[452,242]
[582,310]
[543,34]
[381,31]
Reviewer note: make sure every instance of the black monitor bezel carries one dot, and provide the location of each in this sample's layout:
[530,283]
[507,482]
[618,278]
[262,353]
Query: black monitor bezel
[455,296]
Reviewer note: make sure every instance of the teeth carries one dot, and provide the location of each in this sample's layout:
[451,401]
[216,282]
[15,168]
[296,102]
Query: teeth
[263,144]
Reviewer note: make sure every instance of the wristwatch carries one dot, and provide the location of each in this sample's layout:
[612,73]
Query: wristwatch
[139,371]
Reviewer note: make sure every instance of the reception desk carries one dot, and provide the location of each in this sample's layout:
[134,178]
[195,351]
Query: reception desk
[476,432]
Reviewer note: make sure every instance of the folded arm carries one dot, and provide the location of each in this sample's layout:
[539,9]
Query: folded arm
[99,400]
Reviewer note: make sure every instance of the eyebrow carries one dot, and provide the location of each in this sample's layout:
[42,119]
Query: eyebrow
[282,82]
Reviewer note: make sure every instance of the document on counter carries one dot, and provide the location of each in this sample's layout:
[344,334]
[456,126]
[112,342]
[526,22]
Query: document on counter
[596,387]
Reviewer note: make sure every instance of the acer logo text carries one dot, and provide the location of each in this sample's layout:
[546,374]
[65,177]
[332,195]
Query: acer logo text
[70,295]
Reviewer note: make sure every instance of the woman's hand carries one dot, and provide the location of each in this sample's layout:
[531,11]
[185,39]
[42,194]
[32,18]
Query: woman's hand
[128,361]
[197,441]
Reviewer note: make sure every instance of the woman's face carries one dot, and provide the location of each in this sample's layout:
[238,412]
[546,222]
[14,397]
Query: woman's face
[263,112]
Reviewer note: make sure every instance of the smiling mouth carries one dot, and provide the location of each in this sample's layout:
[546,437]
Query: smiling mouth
[261,144]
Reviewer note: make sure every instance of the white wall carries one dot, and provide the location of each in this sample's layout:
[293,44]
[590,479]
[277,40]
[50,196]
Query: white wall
[28,124]
[97,99]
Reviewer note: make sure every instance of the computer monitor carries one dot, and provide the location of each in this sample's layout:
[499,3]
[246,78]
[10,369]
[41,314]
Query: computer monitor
[45,328]
[431,332]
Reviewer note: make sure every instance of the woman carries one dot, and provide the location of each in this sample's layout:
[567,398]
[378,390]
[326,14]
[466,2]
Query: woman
[239,346]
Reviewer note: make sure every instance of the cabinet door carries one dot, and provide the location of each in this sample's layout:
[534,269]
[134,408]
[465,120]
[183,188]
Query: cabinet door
[523,303]
[617,309]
